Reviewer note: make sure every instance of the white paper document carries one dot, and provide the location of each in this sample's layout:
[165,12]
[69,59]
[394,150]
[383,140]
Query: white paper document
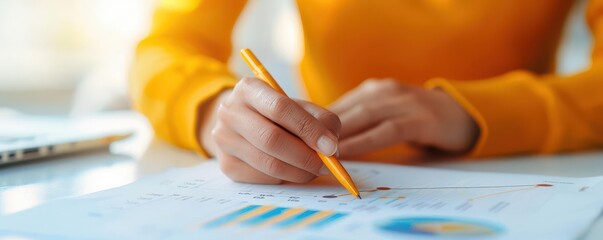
[397,202]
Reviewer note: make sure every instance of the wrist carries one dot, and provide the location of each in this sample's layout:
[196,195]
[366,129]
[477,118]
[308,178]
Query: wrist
[459,124]
[207,121]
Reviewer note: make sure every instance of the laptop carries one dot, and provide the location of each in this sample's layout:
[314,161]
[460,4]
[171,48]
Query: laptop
[26,138]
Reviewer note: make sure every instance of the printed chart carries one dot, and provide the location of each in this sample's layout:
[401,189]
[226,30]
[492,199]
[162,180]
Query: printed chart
[441,226]
[277,217]
[511,188]
[398,202]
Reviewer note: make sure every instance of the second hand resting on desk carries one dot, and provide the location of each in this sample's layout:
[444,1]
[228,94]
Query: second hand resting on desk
[330,161]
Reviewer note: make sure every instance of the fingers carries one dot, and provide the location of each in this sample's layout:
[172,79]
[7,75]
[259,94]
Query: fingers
[240,171]
[368,91]
[288,114]
[383,135]
[262,136]
[269,138]
[367,114]
[237,148]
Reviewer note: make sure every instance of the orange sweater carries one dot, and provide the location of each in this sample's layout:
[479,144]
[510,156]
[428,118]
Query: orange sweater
[494,57]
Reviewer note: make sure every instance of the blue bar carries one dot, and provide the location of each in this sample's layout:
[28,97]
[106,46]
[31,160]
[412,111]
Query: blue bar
[295,219]
[230,217]
[325,221]
[257,220]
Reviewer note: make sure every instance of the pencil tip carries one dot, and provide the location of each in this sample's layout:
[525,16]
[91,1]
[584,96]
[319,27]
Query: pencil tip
[359,197]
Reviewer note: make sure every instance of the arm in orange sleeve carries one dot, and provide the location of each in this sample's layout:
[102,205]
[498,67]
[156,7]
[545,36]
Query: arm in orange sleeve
[523,113]
[181,65]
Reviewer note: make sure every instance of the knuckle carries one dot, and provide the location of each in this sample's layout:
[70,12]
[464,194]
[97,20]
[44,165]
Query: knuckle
[389,83]
[225,116]
[279,106]
[371,81]
[390,86]
[216,135]
[371,85]
[240,86]
[243,85]
[272,167]
[382,86]
[228,101]
[270,137]
[367,110]
[246,81]
[222,113]
[306,130]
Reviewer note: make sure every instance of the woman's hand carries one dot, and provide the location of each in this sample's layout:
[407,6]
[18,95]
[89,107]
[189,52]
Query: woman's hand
[262,136]
[381,113]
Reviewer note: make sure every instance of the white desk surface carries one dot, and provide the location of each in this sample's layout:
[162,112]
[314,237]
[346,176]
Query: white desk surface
[27,185]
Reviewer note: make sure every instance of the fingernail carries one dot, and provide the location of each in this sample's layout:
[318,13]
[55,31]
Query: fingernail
[326,146]
[324,171]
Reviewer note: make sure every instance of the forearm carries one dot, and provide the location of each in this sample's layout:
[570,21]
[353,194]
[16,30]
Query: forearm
[181,65]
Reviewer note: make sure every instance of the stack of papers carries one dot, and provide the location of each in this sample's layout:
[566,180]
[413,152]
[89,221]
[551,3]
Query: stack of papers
[397,202]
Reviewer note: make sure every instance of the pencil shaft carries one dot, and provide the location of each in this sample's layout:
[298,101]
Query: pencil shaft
[331,162]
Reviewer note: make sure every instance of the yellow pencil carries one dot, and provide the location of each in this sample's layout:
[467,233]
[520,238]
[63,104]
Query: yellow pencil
[331,162]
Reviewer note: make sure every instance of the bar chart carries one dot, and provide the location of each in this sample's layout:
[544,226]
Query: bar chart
[270,216]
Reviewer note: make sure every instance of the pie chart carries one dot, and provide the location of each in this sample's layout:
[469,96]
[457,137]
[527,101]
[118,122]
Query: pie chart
[441,227]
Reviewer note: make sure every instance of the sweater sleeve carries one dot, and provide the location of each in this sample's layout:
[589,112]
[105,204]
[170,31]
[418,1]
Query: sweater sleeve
[182,64]
[520,112]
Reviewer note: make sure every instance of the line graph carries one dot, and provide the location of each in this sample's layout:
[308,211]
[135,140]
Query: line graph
[541,185]
[513,188]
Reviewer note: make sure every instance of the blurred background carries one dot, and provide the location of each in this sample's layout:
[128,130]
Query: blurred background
[66,57]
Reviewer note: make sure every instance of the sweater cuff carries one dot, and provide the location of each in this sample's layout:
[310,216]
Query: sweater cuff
[184,119]
[512,112]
